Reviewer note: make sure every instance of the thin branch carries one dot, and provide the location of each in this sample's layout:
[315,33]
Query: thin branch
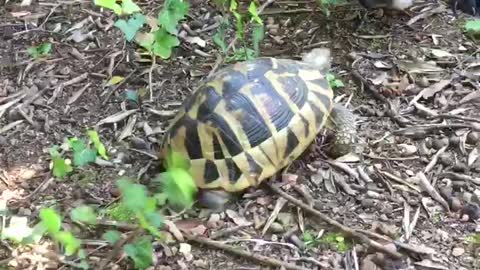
[245,254]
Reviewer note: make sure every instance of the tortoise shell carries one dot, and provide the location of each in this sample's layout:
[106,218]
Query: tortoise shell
[249,121]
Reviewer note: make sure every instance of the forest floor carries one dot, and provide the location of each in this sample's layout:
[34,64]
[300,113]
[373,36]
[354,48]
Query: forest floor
[413,185]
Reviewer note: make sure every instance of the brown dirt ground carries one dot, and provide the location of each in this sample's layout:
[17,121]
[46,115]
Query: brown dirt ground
[378,206]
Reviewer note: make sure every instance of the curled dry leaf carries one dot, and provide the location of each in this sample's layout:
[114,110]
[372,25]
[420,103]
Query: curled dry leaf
[473,156]
[430,91]
[427,186]
[237,219]
[470,97]
[116,117]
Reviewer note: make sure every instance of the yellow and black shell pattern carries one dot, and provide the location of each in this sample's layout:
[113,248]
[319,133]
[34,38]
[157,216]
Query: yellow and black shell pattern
[249,121]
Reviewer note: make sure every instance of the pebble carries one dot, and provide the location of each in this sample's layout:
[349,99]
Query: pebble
[367,203]
[473,137]
[446,159]
[458,251]
[200,263]
[296,241]
[276,227]
[439,143]
[454,140]
[22,211]
[455,204]
[285,218]
[3,141]
[460,167]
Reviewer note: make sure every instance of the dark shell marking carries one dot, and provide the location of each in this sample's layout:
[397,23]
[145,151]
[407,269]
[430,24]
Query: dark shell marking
[249,121]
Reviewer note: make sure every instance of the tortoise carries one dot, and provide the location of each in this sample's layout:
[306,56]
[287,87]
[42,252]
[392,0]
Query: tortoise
[251,119]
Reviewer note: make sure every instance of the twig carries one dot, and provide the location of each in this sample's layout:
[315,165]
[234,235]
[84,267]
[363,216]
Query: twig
[391,158]
[110,93]
[449,116]
[346,230]
[150,71]
[245,254]
[117,248]
[259,11]
[48,180]
[227,231]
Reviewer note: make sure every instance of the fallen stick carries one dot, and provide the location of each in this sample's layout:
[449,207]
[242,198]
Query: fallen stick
[241,253]
[346,230]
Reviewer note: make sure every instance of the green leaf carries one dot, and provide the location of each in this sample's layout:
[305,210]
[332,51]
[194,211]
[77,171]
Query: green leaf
[131,27]
[179,187]
[472,26]
[82,155]
[161,198]
[257,36]
[60,167]
[112,236]
[114,80]
[171,14]
[145,40]
[51,220]
[84,214]
[110,4]
[17,230]
[240,26]
[70,242]
[40,50]
[134,196]
[177,160]
[334,82]
[164,42]
[38,231]
[129,7]
[253,12]
[219,37]
[97,143]
[141,252]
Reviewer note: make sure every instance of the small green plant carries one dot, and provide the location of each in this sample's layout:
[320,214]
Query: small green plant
[331,240]
[472,28]
[334,82]
[242,21]
[161,37]
[82,153]
[326,4]
[40,51]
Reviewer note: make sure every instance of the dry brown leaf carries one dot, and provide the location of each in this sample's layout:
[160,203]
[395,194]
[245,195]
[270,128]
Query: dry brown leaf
[430,91]
[470,97]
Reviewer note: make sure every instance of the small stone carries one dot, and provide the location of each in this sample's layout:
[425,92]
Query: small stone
[446,159]
[472,211]
[200,263]
[368,203]
[296,241]
[439,143]
[276,227]
[423,82]
[384,218]
[455,204]
[473,137]
[24,212]
[214,218]
[457,251]
[3,141]
[460,167]
[285,218]
[454,140]
[274,238]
